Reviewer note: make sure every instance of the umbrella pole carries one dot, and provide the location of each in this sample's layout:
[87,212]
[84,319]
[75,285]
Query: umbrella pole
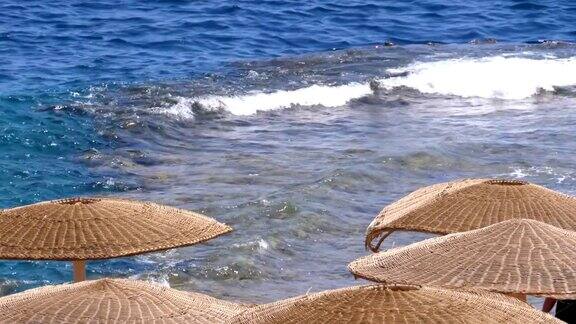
[79,270]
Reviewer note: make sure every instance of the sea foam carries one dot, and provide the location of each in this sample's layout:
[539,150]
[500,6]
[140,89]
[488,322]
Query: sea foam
[251,103]
[497,77]
[327,96]
[491,77]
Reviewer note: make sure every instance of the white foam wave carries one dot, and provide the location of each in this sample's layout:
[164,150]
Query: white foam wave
[251,103]
[181,109]
[500,77]
[314,95]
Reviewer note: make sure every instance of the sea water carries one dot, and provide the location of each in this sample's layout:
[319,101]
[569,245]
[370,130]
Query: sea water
[295,123]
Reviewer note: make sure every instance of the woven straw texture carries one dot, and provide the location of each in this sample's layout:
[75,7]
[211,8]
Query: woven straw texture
[389,304]
[113,301]
[516,256]
[99,228]
[465,205]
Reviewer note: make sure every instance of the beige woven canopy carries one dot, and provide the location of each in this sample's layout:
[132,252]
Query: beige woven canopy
[395,304]
[99,228]
[82,229]
[469,204]
[518,256]
[113,301]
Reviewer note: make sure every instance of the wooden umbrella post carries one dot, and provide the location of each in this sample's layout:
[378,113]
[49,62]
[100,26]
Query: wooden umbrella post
[79,270]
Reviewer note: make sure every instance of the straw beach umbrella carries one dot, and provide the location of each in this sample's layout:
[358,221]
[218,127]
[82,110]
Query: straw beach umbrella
[113,301]
[80,229]
[520,256]
[464,205]
[395,304]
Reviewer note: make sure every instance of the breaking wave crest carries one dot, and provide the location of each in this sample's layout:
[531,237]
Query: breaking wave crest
[496,77]
[251,103]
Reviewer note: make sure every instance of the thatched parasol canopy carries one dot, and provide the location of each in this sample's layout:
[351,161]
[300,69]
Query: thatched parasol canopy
[395,304]
[114,301]
[469,204]
[99,228]
[518,256]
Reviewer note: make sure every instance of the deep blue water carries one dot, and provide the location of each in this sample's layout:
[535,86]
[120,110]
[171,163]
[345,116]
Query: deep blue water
[111,98]
[81,43]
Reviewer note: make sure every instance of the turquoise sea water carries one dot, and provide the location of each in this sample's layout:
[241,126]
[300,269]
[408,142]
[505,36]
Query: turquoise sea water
[294,123]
